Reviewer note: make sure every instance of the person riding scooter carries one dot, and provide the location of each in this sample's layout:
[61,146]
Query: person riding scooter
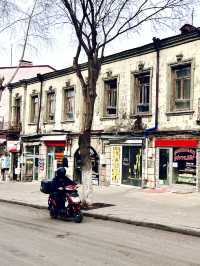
[60,181]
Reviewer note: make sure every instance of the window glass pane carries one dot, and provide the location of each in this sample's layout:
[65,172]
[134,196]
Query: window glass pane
[142,92]
[69,104]
[182,104]
[51,106]
[178,89]
[186,89]
[37,149]
[30,149]
[111,96]
[183,72]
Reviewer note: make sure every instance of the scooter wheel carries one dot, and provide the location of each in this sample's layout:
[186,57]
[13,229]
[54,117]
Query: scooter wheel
[53,213]
[78,217]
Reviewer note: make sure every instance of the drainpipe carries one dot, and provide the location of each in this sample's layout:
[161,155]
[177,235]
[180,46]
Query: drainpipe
[24,85]
[22,166]
[40,78]
[156,42]
[10,106]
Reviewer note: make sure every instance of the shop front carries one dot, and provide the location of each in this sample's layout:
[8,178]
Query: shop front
[13,148]
[31,157]
[77,176]
[126,163]
[56,146]
[177,161]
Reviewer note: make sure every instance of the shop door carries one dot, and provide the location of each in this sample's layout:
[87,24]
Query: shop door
[50,165]
[164,166]
[36,169]
[132,165]
[95,166]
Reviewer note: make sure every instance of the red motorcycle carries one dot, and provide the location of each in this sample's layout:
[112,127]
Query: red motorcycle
[65,204]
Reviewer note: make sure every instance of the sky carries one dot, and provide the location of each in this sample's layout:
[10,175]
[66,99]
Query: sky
[60,50]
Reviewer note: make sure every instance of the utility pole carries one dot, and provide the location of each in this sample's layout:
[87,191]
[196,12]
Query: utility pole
[192,16]
[11,51]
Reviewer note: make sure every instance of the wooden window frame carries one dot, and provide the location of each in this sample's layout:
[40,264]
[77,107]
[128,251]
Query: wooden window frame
[174,78]
[49,102]
[33,114]
[15,120]
[65,101]
[138,103]
[113,91]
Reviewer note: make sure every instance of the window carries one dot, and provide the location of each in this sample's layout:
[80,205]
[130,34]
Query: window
[17,112]
[34,108]
[181,87]
[69,104]
[142,92]
[50,106]
[110,97]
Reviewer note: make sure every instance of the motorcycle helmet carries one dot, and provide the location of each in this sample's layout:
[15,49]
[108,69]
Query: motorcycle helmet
[61,172]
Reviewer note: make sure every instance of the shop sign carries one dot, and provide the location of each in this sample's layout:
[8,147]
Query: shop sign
[184,154]
[116,165]
[41,164]
[176,143]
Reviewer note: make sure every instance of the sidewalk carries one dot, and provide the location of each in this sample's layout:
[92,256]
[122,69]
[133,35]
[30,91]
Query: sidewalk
[168,209]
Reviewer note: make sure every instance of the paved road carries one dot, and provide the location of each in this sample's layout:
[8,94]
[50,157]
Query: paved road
[29,237]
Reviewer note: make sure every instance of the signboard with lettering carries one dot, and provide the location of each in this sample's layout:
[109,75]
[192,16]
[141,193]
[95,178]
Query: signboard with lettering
[185,154]
[185,158]
[116,154]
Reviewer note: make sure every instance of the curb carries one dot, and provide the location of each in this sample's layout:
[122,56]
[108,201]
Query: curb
[169,228]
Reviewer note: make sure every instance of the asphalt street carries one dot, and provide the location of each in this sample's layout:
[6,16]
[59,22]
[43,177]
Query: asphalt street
[29,237]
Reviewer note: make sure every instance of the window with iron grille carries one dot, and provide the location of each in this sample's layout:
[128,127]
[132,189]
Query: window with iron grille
[69,96]
[34,108]
[142,92]
[110,97]
[50,107]
[181,87]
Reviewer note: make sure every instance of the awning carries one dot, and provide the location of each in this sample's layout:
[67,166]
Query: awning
[2,141]
[55,143]
[192,143]
[13,146]
[54,138]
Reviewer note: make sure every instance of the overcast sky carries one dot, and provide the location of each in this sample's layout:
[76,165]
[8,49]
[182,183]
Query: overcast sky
[60,51]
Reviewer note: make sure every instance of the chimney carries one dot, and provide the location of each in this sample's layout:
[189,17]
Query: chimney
[25,63]
[187,28]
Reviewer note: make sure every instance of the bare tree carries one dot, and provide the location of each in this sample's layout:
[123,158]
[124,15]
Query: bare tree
[29,23]
[96,23]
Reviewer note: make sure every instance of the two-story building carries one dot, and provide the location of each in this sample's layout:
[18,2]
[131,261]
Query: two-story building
[146,118]
[10,128]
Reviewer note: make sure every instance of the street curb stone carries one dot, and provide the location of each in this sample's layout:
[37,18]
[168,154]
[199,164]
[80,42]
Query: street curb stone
[163,227]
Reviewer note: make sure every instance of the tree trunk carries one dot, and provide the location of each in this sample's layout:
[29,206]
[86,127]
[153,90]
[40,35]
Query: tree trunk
[89,96]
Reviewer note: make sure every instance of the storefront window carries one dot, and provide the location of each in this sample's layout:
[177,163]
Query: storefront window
[184,165]
[30,150]
[29,167]
[54,159]
[132,165]
[32,153]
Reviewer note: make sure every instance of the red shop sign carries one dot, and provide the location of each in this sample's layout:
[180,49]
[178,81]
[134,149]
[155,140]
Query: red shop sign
[55,143]
[176,143]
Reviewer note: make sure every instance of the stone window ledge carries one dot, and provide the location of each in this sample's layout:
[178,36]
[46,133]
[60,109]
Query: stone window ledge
[68,121]
[177,113]
[140,114]
[49,122]
[109,117]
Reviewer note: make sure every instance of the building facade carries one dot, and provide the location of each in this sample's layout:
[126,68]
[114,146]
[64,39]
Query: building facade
[146,118]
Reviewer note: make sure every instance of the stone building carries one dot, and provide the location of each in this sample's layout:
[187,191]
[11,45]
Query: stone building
[10,128]
[146,118]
